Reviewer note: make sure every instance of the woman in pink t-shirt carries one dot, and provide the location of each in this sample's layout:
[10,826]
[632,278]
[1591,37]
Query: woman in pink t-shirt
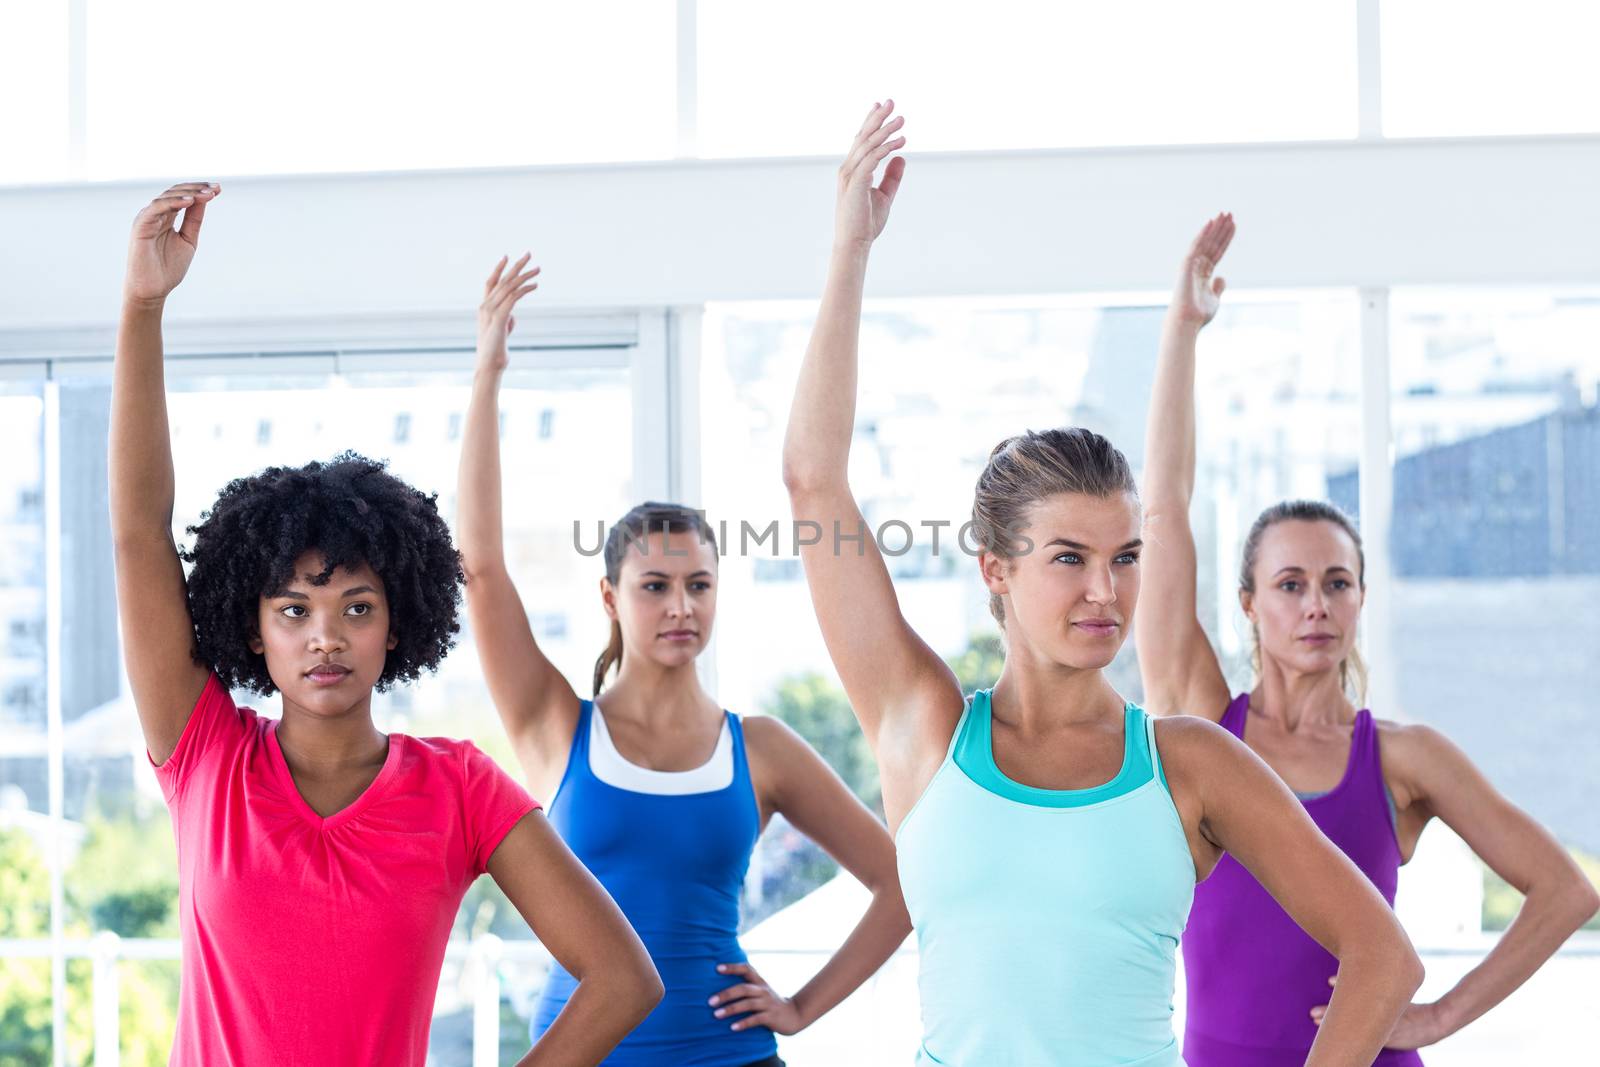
[321,863]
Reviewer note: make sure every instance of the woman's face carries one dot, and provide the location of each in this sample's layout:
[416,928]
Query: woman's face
[665,597]
[1308,595]
[1069,598]
[325,645]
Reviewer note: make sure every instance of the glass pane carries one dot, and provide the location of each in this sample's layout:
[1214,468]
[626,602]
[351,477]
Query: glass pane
[303,86]
[1496,558]
[1024,74]
[25,831]
[33,68]
[1466,67]
[22,593]
[1268,364]
[1278,395]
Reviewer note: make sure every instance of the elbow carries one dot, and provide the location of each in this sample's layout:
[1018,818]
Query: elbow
[1412,972]
[1391,955]
[801,478]
[1407,965]
[888,895]
[648,989]
[476,565]
[1585,902]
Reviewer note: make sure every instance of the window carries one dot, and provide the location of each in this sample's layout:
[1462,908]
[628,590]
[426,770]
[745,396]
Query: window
[303,86]
[1024,74]
[1496,539]
[1475,67]
[33,69]
[992,368]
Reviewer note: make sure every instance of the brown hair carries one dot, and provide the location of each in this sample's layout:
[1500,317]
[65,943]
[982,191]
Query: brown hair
[635,528]
[1353,670]
[1031,466]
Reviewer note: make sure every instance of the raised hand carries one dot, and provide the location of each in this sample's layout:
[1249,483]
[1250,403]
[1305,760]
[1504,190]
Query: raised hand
[500,295]
[862,208]
[756,1001]
[158,255]
[1199,293]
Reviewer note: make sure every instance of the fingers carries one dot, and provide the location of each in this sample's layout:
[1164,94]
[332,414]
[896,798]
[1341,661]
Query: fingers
[744,969]
[765,1018]
[1318,1012]
[494,278]
[875,117]
[743,989]
[509,282]
[1215,238]
[164,207]
[869,144]
[742,1006]
[892,174]
[193,216]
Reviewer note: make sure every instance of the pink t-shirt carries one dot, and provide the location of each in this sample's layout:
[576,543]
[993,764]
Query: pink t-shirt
[312,941]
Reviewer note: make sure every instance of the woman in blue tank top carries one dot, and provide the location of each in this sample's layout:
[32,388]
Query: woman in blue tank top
[1050,834]
[659,791]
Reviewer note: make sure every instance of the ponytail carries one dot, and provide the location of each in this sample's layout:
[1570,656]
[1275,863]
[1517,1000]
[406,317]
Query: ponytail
[611,657]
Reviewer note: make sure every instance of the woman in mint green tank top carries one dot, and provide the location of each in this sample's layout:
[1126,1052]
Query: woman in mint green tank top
[1050,834]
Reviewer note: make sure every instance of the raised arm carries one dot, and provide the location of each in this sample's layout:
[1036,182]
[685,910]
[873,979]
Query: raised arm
[1232,801]
[575,918]
[906,698]
[1176,661]
[152,601]
[536,702]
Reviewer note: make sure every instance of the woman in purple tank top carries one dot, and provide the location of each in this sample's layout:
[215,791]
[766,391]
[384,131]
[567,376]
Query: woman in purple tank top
[1257,984]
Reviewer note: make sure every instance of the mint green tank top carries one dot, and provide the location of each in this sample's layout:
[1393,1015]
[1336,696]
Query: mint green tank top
[1047,920]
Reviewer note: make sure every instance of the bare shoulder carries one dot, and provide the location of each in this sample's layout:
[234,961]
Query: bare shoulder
[1414,755]
[769,737]
[1189,740]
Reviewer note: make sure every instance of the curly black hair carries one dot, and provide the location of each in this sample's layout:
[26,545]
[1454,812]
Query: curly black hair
[353,511]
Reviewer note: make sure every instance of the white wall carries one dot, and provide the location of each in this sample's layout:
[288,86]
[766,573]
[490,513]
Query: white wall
[1497,211]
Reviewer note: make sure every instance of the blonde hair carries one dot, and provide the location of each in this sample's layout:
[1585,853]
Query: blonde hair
[1031,466]
[1352,669]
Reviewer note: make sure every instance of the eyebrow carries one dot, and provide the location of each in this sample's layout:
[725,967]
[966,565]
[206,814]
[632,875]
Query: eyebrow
[663,574]
[291,595]
[1137,542]
[1302,570]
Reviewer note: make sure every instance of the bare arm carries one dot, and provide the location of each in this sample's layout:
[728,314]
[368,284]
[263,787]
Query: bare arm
[1239,805]
[584,930]
[817,803]
[152,600]
[1176,661]
[892,677]
[1559,899]
[536,703]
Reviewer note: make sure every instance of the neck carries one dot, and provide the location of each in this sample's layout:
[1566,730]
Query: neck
[670,693]
[1294,698]
[324,742]
[1037,694]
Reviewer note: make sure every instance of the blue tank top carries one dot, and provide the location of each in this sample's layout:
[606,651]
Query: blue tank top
[1047,920]
[675,865]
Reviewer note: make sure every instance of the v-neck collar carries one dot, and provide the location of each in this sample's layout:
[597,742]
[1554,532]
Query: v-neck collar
[373,790]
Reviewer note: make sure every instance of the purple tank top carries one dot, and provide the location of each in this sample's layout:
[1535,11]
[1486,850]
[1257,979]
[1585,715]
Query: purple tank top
[1253,976]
